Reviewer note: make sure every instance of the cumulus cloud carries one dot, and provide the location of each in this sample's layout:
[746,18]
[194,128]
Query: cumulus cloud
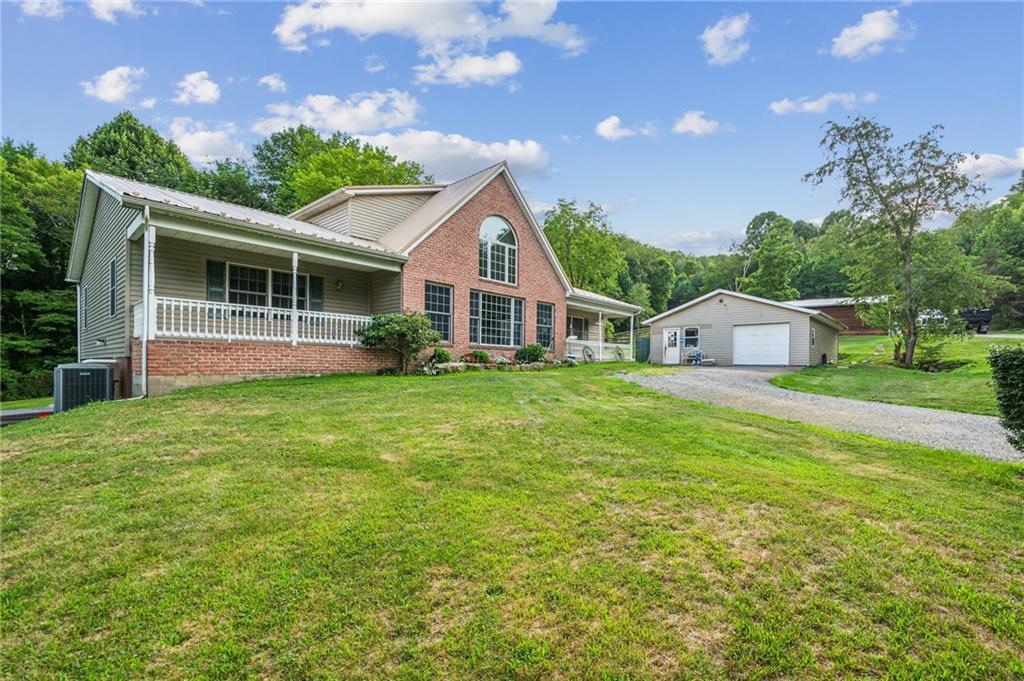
[611,129]
[361,113]
[452,36]
[697,124]
[374,64]
[847,100]
[724,42]
[700,242]
[203,144]
[115,85]
[469,69]
[274,82]
[45,9]
[107,10]
[148,103]
[993,166]
[870,35]
[451,156]
[197,88]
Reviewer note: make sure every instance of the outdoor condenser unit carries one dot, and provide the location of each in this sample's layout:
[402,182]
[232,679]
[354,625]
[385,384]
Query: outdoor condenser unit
[78,384]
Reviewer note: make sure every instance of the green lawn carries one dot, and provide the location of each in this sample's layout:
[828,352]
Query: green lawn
[866,372]
[530,525]
[26,403]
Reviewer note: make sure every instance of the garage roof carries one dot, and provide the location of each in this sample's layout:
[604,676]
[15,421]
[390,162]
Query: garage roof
[817,314]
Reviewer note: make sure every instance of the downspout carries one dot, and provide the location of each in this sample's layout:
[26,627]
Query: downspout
[145,297]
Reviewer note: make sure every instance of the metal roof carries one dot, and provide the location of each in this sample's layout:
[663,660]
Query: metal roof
[598,299]
[132,190]
[837,302]
[736,294]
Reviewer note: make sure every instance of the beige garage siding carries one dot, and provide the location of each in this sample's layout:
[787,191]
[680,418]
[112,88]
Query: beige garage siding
[716,319]
[826,342]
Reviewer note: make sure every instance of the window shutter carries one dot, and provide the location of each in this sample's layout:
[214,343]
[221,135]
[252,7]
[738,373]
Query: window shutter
[215,287]
[316,294]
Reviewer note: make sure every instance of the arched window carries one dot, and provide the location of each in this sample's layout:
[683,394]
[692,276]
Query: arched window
[498,250]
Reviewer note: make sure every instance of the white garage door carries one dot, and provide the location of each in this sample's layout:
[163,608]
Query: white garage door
[766,344]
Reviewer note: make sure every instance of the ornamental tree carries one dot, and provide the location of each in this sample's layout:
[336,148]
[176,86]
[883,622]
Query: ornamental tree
[408,334]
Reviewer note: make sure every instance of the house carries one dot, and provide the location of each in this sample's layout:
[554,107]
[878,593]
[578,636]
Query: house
[179,290]
[843,309]
[739,329]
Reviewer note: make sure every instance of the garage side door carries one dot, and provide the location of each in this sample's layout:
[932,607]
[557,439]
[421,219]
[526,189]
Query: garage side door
[761,344]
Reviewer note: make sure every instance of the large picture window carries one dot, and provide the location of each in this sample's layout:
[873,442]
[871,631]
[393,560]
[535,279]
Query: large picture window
[244,285]
[495,320]
[498,251]
[437,301]
[546,324]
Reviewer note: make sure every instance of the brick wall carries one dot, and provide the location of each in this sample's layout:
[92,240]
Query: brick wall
[180,363]
[848,315]
[450,256]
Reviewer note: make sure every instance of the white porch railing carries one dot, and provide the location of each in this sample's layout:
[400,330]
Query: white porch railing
[596,351]
[186,318]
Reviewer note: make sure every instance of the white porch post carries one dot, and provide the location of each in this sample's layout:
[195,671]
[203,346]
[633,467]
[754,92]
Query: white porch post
[600,336]
[632,352]
[150,275]
[295,298]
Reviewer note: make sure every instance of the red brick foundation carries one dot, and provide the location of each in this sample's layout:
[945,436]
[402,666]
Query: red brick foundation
[182,363]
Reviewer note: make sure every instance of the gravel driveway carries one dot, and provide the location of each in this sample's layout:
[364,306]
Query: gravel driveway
[749,390]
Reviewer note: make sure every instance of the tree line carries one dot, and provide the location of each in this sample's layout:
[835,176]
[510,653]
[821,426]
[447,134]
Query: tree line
[858,252]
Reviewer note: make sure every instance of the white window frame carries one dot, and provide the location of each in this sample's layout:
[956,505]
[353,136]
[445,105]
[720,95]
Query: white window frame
[511,252]
[448,314]
[513,319]
[585,326]
[814,336]
[550,327]
[684,345]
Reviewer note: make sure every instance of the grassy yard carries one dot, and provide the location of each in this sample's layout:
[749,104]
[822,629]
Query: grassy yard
[866,372]
[530,525]
[26,403]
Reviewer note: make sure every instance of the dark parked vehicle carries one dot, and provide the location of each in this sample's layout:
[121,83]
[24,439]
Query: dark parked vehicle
[977,320]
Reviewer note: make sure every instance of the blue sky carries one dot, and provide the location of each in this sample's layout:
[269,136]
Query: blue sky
[684,120]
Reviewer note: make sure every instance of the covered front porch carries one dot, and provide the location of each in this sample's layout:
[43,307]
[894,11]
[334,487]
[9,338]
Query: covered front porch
[586,314]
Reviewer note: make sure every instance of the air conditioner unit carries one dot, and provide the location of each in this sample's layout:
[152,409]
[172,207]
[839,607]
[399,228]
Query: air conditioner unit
[78,384]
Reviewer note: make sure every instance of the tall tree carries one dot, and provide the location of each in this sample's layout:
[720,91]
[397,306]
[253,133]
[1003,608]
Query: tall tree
[1000,248]
[778,260]
[585,245]
[127,147]
[892,189]
[229,180]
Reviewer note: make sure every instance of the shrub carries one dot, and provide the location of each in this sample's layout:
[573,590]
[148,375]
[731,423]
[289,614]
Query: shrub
[480,357]
[1008,376]
[407,334]
[440,356]
[534,352]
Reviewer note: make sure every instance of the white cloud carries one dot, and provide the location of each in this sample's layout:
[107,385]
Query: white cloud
[107,10]
[451,156]
[611,129]
[374,64]
[848,100]
[274,82]
[363,112]
[699,242]
[204,145]
[46,9]
[115,85]
[197,87]
[696,124]
[148,103]
[869,36]
[540,209]
[452,36]
[469,69]
[993,166]
[723,42]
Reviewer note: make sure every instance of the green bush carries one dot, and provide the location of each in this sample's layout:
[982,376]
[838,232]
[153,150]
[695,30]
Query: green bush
[1008,376]
[534,352]
[440,356]
[480,357]
[407,334]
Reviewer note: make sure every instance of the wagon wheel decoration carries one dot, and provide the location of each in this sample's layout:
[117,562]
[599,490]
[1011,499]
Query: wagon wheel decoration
[588,355]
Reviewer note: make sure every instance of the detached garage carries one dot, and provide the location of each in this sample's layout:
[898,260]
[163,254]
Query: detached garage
[736,329]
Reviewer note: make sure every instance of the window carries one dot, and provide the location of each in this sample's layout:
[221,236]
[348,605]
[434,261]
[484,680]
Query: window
[242,285]
[546,324]
[498,257]
[113,287]
[495,320]
[437,301]
[84,307]
[812,335]
[691,337]
[578,327]
[281,290]
[247,285]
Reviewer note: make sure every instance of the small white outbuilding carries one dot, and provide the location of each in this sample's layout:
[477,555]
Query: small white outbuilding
[736,329]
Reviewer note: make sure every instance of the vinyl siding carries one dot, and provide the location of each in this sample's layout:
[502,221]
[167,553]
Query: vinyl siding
[181,273]
[373,216]
[385,292]
[334,219]
[826,342]
[106,336]
[594,330]
[716,321]
[135,250]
